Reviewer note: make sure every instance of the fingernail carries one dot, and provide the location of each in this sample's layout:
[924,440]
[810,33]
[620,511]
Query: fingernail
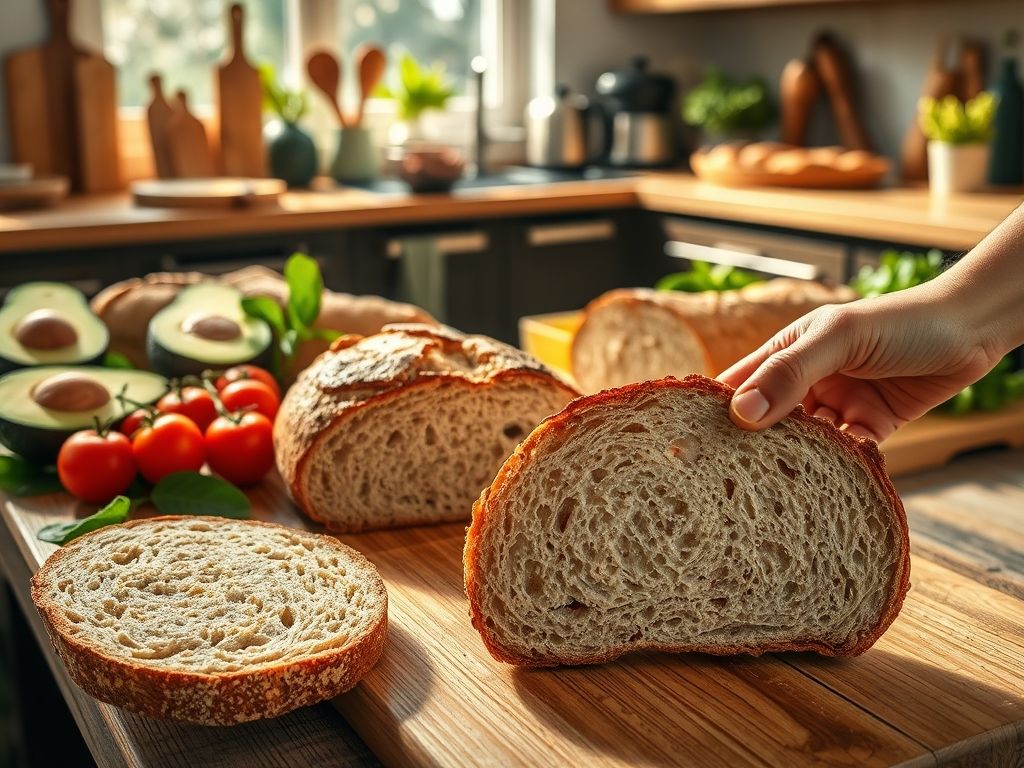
[750,406]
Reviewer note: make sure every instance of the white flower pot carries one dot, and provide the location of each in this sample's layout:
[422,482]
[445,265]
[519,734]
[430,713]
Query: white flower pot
[954,168]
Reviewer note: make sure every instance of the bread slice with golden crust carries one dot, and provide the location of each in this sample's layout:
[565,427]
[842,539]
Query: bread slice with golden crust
[211,621]
[407,426]
[642,518]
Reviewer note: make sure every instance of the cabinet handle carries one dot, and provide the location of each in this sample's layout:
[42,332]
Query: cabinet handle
[575,232]
[447,244]
[733,257]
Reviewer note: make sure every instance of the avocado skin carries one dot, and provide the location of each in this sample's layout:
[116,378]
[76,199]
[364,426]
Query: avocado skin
[6,366]
[33,443]
[174,366]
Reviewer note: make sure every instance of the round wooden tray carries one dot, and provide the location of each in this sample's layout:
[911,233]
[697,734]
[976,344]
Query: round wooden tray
[206,193]
[812,169]
[39,192]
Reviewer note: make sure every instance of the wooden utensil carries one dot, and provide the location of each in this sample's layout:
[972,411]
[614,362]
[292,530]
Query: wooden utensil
[324,71]
[240,99]
[158,113]
[799,89]
[40,100]
[188,150]
[940,81]
[370,62]
[99,160]
[836,73]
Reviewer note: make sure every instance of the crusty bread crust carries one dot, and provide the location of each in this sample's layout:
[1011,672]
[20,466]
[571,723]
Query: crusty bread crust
[863,450]
[228,698]
[384,368]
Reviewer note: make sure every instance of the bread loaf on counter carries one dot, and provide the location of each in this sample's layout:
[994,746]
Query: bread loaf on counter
[638,334]
[407,426]
[642,518]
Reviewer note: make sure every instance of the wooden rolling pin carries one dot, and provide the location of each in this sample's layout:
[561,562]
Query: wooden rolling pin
[837,75]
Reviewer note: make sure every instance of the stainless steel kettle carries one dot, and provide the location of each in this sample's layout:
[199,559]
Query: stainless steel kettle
[557,130]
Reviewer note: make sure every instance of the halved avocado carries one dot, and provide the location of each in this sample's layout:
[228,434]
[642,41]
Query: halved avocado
[205,328]
[49,324]
[41,407]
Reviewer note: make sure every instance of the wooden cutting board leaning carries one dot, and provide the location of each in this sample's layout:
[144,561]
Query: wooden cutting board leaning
[240,101]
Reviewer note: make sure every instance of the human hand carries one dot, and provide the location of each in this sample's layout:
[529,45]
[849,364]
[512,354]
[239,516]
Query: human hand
[869,366]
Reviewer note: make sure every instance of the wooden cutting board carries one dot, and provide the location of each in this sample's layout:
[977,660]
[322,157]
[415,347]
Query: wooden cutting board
[99,158]
[158,113]
[188,149]
[240,100]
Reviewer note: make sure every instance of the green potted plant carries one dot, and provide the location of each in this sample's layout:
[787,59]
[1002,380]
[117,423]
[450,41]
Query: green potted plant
[291,151]
[419,89]
[725,108]
[958,136]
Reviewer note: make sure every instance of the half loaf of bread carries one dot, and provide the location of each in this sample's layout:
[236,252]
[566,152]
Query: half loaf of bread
[407,426]
[642,518]
[211,621]
[639,334]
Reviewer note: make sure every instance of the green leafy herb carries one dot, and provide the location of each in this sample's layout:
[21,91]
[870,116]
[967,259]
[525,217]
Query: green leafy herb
[952,121]
[420,88]
[706,277]
[287,104]
[19,477]
[190,493]
[723,106]
[995,390]
[896,271]
[117,360]
[115,512]
[305,287]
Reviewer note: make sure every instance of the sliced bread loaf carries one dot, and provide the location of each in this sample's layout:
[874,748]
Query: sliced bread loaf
[638,334]
[407,426]
[642,518]
[212,621]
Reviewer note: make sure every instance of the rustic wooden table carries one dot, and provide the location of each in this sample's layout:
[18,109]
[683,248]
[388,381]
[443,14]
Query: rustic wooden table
[958,648]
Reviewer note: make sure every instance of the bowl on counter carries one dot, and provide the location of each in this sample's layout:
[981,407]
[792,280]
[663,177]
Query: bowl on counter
[427,166]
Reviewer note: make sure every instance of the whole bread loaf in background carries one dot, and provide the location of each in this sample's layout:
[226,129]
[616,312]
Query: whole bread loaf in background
[642,518]
[128,306]
[638,334]
[407,426]
[211,621]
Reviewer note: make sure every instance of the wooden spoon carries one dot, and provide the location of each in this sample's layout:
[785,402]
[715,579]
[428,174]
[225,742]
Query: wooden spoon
[371,62]
[324,70]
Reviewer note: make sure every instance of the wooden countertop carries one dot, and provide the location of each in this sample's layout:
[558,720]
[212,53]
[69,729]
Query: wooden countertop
[960,640]
[907,216]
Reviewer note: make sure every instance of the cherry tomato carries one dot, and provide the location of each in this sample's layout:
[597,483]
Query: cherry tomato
[133,421]
[173,443]
[240,451]
[241,372]
[194,402]
[251,394]
[96,467]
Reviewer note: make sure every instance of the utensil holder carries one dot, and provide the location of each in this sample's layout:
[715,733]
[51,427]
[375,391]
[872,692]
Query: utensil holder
[356,159]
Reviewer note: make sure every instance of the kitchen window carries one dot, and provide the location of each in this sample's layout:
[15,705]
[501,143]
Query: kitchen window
[184,40]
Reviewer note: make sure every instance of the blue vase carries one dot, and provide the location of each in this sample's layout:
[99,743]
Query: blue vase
[1007,161]
[292,156]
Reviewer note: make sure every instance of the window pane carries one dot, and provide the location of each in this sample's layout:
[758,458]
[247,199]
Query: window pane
[184,40]
[447,31]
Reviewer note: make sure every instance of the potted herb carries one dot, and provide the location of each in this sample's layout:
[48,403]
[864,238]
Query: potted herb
[725,108]
[291,151]
[419,89]
[958,136]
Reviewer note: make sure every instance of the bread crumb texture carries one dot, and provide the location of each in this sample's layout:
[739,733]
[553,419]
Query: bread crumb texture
[643,518]
[407,426]
[211,620]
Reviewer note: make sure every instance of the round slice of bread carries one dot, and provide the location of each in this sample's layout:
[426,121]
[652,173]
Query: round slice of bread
[407,426]
[643,518]
[211,621]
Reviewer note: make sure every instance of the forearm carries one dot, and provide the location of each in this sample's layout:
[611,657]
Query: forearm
[988,284]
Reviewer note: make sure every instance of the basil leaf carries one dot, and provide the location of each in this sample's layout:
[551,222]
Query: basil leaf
[266,309]
[305,288]
[117,360]
[19,477]
[325,334]
[190,493]
[61,533]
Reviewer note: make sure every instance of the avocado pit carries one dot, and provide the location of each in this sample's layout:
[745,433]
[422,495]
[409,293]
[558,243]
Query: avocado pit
[70,392]
[211,327]
[45,329]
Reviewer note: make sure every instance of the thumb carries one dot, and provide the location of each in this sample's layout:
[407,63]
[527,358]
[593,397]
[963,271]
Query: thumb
[783,379]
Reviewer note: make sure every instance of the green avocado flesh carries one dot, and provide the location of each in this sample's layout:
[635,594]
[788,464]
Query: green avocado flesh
[37,432]
[205,327]
[69,335]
